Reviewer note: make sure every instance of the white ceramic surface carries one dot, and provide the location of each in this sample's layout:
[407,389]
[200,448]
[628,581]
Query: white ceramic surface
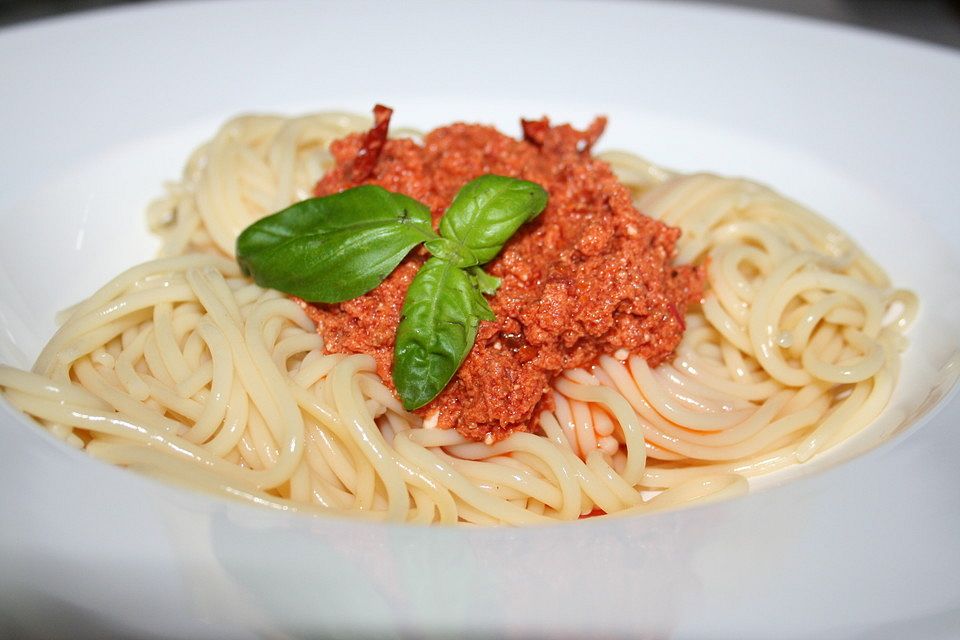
[99,109]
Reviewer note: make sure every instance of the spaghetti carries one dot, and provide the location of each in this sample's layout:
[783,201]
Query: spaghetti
[183,369]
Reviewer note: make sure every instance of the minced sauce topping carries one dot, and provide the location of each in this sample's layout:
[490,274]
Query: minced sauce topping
[590,276]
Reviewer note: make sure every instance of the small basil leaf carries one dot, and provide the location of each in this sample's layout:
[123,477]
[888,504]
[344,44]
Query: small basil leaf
[452,251]
[486,283]
[334,248]
[482,308]
[488,210]
[438,325]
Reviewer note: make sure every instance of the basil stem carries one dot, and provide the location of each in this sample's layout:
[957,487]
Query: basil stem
[452,251]
[489,210]
[438,325]
[334,248]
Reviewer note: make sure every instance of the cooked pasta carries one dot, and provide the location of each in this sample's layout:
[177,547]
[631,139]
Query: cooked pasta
[183,369]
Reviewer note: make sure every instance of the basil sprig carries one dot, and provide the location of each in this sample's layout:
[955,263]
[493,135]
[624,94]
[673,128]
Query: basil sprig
[339,247]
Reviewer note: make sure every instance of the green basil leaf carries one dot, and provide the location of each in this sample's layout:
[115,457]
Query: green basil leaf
[486,283]
[334,248]
[438,325]
[488,210]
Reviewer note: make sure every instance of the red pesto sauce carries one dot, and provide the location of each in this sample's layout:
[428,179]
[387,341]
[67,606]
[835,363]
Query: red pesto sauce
[590,276]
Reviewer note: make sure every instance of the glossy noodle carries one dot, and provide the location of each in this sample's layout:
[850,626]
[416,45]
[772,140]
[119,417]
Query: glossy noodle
[183,369]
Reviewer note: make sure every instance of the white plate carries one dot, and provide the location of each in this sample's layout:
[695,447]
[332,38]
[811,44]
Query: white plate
[99,109]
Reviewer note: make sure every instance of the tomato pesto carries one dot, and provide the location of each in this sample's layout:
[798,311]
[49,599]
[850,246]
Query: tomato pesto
[590,276]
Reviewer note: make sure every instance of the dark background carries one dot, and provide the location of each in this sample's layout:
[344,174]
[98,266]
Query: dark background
[935,21]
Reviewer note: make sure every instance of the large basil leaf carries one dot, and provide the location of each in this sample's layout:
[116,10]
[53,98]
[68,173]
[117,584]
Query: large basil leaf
[438,325]
[488,210]
[334,248]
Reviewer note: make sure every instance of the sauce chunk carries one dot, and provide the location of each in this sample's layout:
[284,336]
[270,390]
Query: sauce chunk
[591,275]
